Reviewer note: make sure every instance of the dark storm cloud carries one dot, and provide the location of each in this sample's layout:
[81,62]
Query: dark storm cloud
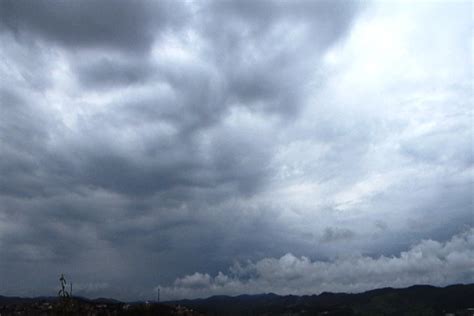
[22,135]
[255,44]
[109,73]
[164,138]
[123,25]
[334,234]
[187,97]
[192,98]
[265,78]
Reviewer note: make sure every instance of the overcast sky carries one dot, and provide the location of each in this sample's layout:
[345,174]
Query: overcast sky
[229,147]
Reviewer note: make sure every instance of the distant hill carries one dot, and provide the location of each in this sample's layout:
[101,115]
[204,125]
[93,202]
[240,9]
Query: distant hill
[414,300]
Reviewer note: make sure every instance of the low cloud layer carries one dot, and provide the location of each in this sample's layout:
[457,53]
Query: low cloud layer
[141,141]
[428,262]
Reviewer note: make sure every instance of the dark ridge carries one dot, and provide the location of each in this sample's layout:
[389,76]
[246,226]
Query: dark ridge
[413,300]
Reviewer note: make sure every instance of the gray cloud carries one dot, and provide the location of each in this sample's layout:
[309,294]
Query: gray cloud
[110,73]
[332,234]
[122,25]
[256,39]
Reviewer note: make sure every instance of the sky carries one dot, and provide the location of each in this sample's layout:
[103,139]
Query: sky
[230,147]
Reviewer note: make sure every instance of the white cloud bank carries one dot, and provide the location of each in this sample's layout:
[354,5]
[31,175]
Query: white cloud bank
[428,262]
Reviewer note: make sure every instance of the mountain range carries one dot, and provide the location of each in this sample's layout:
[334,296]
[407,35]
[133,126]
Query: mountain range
[415,300]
